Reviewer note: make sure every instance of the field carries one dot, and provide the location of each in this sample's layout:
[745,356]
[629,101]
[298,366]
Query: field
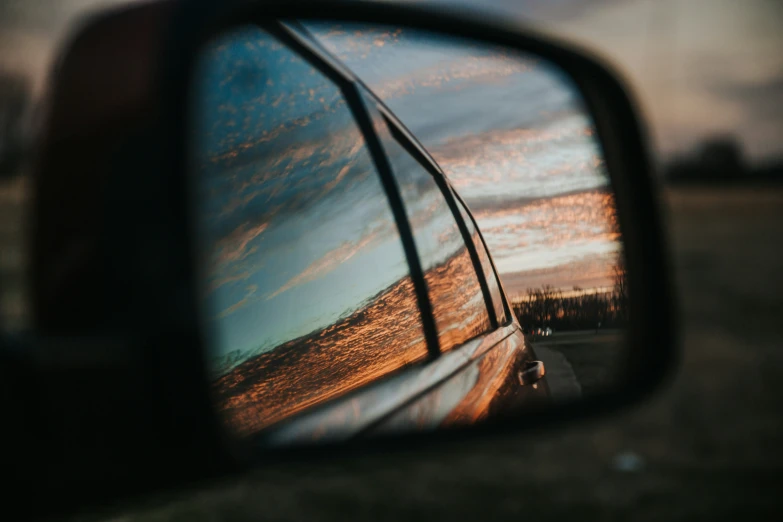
[707,446]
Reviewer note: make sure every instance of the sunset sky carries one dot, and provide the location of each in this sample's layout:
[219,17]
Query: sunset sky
[510,133]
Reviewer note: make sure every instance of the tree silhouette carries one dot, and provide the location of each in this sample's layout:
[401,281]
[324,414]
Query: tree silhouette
[620,294]
[548,307]
[718,159]
[722,158]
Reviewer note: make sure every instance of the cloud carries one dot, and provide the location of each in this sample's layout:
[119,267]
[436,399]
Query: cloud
[234,247]
[473,149]
[218,282]
[371,236]
[588,215]
[509,164]
[475,69]
[589,271]
[249,292]
[547,235]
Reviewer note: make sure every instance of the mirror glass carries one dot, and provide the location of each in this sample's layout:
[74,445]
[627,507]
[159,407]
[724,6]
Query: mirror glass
[397,231]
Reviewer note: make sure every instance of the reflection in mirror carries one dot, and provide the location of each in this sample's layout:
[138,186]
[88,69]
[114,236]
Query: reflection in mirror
[513,136]
[359,276]
[307,290]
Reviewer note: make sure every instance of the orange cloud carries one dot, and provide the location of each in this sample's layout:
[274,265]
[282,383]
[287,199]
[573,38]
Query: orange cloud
[250,291]
[480,69]
[234,246]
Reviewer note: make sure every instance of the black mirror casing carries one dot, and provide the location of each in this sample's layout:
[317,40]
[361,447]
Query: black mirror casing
[163,427]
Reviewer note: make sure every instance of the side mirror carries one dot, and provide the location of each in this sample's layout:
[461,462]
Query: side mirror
[287,233]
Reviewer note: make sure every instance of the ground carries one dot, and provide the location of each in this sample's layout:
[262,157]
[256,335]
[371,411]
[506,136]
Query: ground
[709,442]
[582,362]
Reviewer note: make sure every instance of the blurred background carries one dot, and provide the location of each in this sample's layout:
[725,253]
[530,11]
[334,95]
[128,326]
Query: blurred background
[708,75]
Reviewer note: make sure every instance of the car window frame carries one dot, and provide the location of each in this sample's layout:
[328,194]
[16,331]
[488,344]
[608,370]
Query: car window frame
[414,151]
[448,193]
[503,296]
[411,145]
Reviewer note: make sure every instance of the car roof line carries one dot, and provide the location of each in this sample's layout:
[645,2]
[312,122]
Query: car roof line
[296,30]
[307,38]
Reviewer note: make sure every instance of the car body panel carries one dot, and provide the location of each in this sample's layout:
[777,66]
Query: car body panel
[488,386]
[464,385]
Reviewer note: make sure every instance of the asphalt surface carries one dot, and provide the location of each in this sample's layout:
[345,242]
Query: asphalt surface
[560,376]
[580,363]
[706,447]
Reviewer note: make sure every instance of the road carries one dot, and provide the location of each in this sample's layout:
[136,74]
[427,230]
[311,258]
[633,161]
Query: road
[579,362]
[710,442]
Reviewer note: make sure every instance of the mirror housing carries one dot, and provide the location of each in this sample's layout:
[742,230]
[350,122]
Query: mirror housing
[111,204]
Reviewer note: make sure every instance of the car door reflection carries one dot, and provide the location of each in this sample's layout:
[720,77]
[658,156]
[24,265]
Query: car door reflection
[306,288]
